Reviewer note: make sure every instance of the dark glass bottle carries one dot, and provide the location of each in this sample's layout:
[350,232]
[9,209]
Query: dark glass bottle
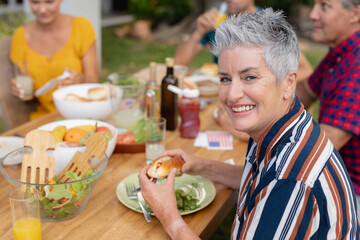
[169,100]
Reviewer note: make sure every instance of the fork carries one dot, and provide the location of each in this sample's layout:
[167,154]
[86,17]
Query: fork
[131,192]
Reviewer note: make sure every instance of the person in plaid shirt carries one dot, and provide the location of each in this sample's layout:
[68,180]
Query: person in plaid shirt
[336,81]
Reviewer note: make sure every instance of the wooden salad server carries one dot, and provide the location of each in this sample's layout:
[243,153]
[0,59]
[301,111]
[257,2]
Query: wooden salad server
[38,167]
[96,146]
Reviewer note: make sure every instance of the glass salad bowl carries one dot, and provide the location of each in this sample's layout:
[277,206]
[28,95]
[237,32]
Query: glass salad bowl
[58,201]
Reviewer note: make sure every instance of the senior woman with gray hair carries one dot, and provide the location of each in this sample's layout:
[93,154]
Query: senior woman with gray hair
[293,183]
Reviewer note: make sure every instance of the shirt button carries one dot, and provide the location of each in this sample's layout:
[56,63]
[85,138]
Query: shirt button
[338,59]
[331,70]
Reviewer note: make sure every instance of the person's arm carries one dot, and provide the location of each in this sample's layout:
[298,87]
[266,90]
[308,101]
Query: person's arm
[162,201]
[189,49]
[337,136]
[226,174]
[305,94]
[90,65]
[305,69]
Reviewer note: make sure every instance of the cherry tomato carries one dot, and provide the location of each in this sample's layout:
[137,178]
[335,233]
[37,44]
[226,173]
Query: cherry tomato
[126,137]
[103,129]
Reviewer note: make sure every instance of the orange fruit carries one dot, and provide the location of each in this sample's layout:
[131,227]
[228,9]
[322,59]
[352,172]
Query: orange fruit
[74,134]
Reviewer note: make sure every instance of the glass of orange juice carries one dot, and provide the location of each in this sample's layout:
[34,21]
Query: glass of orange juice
[25,209]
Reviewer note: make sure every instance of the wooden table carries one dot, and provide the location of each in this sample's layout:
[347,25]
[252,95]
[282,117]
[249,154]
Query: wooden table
[104,217]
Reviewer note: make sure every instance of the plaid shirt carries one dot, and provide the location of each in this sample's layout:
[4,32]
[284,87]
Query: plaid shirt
[337,81]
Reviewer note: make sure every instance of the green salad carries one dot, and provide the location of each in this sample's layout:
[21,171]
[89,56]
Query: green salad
[65,200]
[186,201]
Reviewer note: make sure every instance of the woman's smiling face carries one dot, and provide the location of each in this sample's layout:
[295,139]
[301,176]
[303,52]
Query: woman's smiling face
[248,89]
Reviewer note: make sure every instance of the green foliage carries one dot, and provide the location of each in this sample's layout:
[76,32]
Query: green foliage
[283,4]
[171,11]
[9,22]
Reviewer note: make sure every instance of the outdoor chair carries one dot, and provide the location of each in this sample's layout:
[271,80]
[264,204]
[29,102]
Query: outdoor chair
[13,111]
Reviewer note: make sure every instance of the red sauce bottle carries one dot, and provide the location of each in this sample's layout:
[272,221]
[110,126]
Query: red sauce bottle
[189,111]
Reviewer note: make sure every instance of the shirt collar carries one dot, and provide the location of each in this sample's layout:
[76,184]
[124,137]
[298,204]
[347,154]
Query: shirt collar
[272,136]
[347,45]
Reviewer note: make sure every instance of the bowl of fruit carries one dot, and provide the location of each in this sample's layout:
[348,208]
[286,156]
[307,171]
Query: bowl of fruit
[59,200]
[70,136]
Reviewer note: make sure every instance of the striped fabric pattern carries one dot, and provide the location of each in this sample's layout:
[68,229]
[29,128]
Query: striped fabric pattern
[295,185]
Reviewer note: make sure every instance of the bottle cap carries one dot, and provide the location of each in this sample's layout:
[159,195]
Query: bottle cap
[191,93]
[169,62]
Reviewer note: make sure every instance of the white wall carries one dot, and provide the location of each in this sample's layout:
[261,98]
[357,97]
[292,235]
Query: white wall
[91,9]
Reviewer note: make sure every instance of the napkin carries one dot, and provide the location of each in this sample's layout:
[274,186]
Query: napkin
[217,140]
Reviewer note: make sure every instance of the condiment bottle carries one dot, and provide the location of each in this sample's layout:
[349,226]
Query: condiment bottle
[169,100]
[189,112]
[152,93]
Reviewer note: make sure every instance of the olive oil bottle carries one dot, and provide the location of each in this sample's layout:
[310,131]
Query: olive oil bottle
[169,100]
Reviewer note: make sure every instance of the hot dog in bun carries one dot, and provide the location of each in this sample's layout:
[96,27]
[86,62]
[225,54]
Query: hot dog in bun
[162,166]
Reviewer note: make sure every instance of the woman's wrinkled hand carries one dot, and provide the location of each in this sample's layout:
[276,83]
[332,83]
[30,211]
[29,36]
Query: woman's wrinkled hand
[160,198]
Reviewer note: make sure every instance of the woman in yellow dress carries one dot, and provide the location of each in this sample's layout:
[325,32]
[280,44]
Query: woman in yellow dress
[49,45]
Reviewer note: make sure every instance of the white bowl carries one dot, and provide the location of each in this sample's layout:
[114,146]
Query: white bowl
[73,110]
[65,154]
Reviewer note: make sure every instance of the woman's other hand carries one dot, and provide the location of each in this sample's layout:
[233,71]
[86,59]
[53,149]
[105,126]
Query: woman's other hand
[75,78]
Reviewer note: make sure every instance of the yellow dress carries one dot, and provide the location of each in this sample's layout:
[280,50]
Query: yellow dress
[43,69]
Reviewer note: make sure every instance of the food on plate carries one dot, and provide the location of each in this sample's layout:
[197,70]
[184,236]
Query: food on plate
[125,138]
[207,83]
[188,83]
[75,98]
[98,94]
[134,134]
[59,201]
[59,133]
[161,167]
[210,69]
[187,200]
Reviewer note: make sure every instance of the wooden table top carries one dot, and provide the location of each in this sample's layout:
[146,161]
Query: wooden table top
[105,217]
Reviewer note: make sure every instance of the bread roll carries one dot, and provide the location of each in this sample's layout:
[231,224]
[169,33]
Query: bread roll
[161,167]
[75,98]
[98,94]
[210,69]
[188,83]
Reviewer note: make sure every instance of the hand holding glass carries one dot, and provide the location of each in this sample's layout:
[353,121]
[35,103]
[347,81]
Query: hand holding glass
[155,138]
[25,209]
[23,78]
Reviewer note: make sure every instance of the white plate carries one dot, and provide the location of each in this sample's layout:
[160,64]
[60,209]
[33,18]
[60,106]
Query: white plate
[206,91]
[8,144]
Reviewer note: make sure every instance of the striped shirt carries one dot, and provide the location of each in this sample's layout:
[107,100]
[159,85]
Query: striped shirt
[295,185]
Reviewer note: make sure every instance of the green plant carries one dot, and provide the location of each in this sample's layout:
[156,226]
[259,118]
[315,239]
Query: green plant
[9,22]
[143,9]
[171,11]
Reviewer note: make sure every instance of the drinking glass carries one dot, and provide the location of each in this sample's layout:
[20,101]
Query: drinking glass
[180,72]
[25,209]
[155,135]
[24,79]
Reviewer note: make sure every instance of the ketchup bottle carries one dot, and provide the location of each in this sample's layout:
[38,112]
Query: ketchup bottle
[189,111]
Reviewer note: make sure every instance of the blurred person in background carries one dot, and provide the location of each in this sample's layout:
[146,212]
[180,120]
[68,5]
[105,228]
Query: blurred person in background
[49,45]
[203,36]
[336,81]
[293,184]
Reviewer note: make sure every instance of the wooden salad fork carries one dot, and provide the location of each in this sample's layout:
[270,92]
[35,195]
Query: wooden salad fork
[38,167]
[96,146]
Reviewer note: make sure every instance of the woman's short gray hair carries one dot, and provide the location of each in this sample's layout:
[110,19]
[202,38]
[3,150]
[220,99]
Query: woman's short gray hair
[265,29]
[349,4]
